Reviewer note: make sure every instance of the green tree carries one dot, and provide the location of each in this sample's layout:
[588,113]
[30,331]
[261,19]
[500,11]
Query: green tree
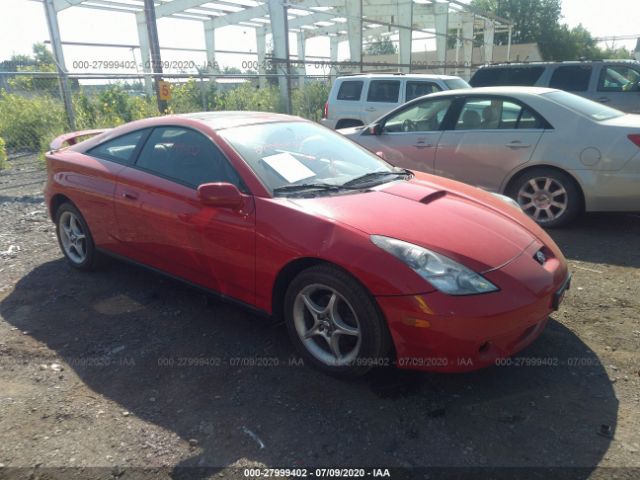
[382,47]
[532,19]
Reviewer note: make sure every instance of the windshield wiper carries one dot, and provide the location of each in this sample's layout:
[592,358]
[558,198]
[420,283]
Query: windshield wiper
[323,187]
[367,177]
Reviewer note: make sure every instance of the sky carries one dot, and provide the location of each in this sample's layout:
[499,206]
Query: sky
[22,24]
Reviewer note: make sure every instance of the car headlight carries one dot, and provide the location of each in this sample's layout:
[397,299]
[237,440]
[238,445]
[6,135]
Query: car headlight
[508,200]
[443,273]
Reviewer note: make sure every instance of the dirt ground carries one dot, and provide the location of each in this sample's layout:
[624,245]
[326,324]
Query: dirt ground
[122,373]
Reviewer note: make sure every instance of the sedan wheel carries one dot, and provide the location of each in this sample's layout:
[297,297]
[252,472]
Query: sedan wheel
[335,323]
[74,237]
[543,199]
[550,197]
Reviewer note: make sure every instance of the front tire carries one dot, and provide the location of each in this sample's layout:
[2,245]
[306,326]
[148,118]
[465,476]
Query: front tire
[551,198]
[75,237]
[334,322]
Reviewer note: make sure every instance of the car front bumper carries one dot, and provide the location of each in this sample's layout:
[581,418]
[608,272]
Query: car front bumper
[439,332]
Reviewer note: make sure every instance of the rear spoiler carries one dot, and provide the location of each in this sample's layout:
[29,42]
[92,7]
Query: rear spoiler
[72,138]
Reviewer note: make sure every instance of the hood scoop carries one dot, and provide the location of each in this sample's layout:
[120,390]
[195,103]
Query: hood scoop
[433,196]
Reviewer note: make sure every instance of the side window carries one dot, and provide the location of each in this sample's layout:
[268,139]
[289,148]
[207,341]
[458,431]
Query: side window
[520,76]
[119,149]
[425,116]
[384,91]
[619,78]
[350,90]
[496,114]
[418,89]
[572,78]
[185,156]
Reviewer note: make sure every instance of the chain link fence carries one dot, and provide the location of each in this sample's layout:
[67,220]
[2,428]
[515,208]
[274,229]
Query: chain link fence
[33,111]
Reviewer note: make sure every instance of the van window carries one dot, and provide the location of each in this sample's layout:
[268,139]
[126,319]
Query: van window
[514,76]
[619,78]
[418,89]
[573,78]
[350,90]
[386,91]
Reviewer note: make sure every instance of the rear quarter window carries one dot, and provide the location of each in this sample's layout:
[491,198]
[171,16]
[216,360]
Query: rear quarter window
[508,76]
[350,90]
[572,78]
[120,149]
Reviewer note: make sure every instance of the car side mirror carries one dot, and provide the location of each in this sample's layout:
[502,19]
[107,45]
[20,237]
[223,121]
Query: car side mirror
[220,195]
[375,129]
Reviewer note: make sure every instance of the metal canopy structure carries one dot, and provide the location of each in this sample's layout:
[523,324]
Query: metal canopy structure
[354,21]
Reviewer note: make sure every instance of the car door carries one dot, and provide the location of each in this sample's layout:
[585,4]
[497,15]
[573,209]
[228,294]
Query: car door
[409,136]
[163,223]
[490,137]
[619,87]
[382,96]
[96,180]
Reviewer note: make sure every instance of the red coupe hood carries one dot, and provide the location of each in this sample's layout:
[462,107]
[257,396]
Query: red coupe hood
[462,222]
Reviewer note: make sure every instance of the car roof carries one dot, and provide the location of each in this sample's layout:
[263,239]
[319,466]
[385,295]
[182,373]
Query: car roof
[410,76]
[552,64]
[230,119]
[496,91]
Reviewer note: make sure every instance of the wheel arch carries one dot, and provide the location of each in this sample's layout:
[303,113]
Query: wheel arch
[508,184]
[55,202]
[352,122]
[289,271]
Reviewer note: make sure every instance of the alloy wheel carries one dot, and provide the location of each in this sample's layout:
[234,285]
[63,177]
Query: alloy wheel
[327,325]
[73,237]
[543,198]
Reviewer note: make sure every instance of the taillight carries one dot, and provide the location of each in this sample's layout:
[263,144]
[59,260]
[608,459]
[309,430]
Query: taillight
[325,114]
[635,138]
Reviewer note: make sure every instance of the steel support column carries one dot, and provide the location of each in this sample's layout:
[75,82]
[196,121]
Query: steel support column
[210,45]
[261,44]
[467,43]
[280,32]
[354,28]
[145,56]
[154,47]
[489,32]
[441,23]
[56,44]
[301,68]
[405,21]
[334,41]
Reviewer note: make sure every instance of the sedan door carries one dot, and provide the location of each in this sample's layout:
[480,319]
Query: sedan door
[490,137]
[163,223]
[409,136]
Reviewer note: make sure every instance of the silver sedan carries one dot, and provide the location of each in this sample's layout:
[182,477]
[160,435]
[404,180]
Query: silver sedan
[555,153]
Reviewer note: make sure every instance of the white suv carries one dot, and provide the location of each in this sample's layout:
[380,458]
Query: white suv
[360,99]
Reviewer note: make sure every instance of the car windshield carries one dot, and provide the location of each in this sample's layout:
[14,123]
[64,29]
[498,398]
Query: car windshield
[289,156]
[584,106]
[456,83]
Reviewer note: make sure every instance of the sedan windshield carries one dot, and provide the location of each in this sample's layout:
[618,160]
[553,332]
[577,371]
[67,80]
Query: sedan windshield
[584,106]
[295,157]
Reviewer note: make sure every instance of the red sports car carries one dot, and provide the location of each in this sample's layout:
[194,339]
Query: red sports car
[368,264]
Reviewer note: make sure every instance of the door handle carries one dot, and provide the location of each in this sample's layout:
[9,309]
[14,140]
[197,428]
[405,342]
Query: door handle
[423,145]
[130,195]
[370,109]
[604,99]
[517,144]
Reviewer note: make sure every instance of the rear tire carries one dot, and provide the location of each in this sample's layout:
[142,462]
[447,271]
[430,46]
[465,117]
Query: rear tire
[551,198]
[334,322]
[74,237]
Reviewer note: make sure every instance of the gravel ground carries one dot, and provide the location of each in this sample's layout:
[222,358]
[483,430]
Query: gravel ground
[122,373]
